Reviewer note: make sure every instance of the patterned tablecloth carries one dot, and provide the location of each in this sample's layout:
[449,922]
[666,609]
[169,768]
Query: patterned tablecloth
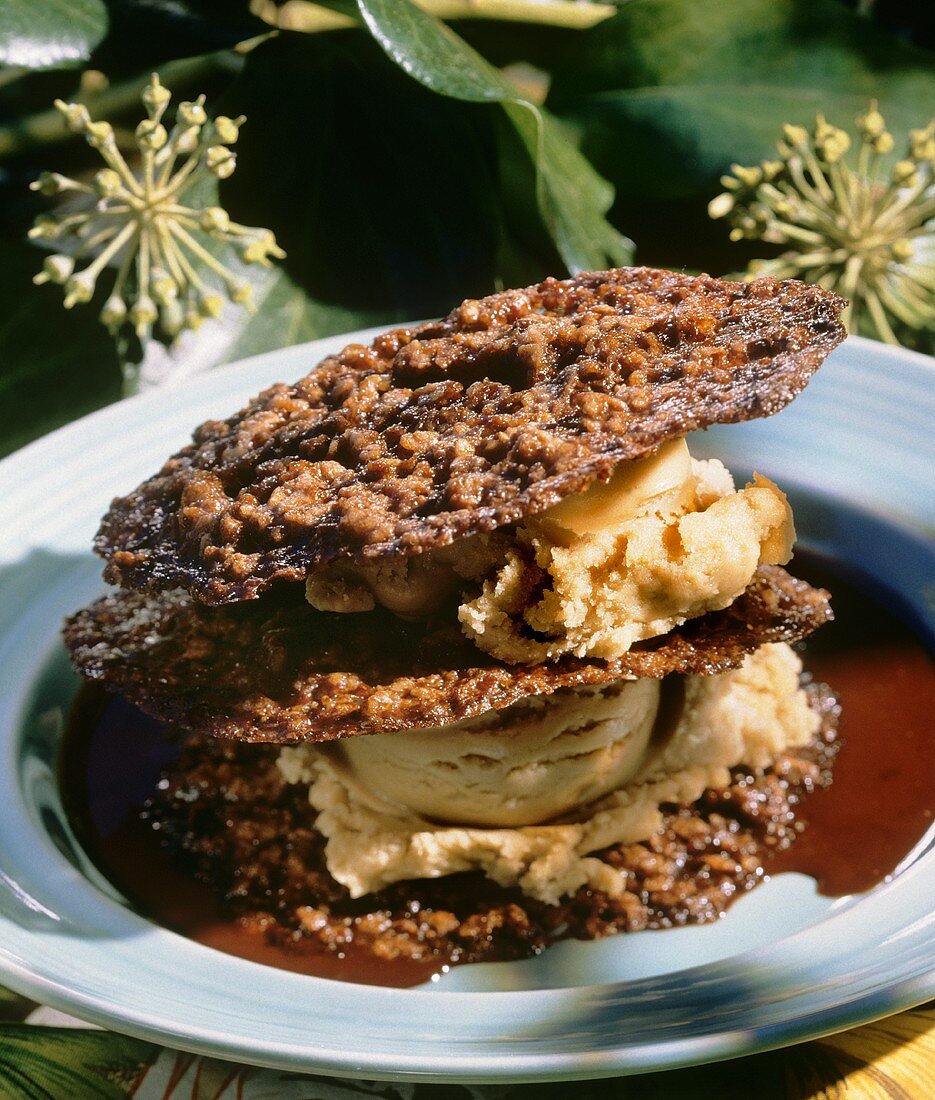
[45,1054]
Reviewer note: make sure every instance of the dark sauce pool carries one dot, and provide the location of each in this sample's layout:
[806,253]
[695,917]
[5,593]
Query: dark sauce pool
[858,830]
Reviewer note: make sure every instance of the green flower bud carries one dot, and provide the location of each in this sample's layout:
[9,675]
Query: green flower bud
[787,208]
[796,136]
[905,173]
[901,251]
[143,315]
[55,269]
[155,97]
[79,288]
[259,249]
[749,177]
[151,135]
[50,183]
[44,228]
[107,183]
[186,141]
[883,144]
[221,161]
[870,124]
[830,143]
[241,293]
[721,206]
[172,318]
[99,134]
[210,304]
[747,226]
[75,114]
[835,147]
[192,114]
[165,289]
[922,143]
[215,219]
[114,312]
[228,129]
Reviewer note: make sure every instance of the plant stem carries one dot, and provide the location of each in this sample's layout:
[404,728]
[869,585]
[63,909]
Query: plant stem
[312,18]
[48,127]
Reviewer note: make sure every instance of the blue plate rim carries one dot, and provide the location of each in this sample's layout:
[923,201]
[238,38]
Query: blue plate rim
[903,994]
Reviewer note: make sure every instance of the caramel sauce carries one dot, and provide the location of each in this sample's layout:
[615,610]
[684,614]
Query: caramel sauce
[882,800]
[857,831]
[110,762]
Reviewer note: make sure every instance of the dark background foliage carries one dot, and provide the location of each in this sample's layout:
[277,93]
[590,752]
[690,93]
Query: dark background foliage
[403,172]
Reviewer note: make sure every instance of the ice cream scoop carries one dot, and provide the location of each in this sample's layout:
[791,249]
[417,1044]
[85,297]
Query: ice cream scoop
[749,715]
[522,766]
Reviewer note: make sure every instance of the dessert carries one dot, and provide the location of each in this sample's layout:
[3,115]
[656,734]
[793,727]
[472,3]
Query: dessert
[479,616]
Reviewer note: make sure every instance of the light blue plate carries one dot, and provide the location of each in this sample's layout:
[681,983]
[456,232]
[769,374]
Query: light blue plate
[784,965]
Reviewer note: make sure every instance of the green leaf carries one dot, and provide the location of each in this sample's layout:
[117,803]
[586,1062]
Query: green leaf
[670,92]
[13,1006]
[73,1062]
[572,198]
[50,34]
[285,315]
[55,364]
[144,34]
[388,199]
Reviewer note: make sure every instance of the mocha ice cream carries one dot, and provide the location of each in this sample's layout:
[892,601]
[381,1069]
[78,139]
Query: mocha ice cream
[526,796]
[495,619]
[665,539]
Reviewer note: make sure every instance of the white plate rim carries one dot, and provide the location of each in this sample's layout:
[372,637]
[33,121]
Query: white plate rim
[900,995]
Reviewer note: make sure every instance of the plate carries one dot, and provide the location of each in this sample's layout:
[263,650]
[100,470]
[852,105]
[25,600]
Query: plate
[783,966]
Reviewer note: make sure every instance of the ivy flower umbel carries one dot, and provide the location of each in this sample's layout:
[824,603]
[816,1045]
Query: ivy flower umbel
[137,222]
[851,224]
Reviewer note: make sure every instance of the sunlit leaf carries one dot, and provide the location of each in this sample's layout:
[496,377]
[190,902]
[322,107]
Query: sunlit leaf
[56,364]
[670,92]
[573,199]
[69,1062]
[48,34]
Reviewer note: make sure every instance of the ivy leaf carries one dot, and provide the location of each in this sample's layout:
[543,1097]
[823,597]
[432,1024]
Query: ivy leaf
[50,34]
[285,315]
[150,32]
[388,199]
[669,92]
[57,364]
[573,199]
[13,1006]
[48,1061]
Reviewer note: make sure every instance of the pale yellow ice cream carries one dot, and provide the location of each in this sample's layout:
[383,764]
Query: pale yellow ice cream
[749,715]
[664,540]
[520,766]
[603,582]
[525,794]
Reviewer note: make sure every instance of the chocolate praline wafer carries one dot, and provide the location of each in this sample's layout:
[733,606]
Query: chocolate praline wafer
[276,670]
[226,811]
[456,427]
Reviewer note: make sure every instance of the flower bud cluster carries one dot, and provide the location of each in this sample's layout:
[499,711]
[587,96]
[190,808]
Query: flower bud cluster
[166,253]
[849,217]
